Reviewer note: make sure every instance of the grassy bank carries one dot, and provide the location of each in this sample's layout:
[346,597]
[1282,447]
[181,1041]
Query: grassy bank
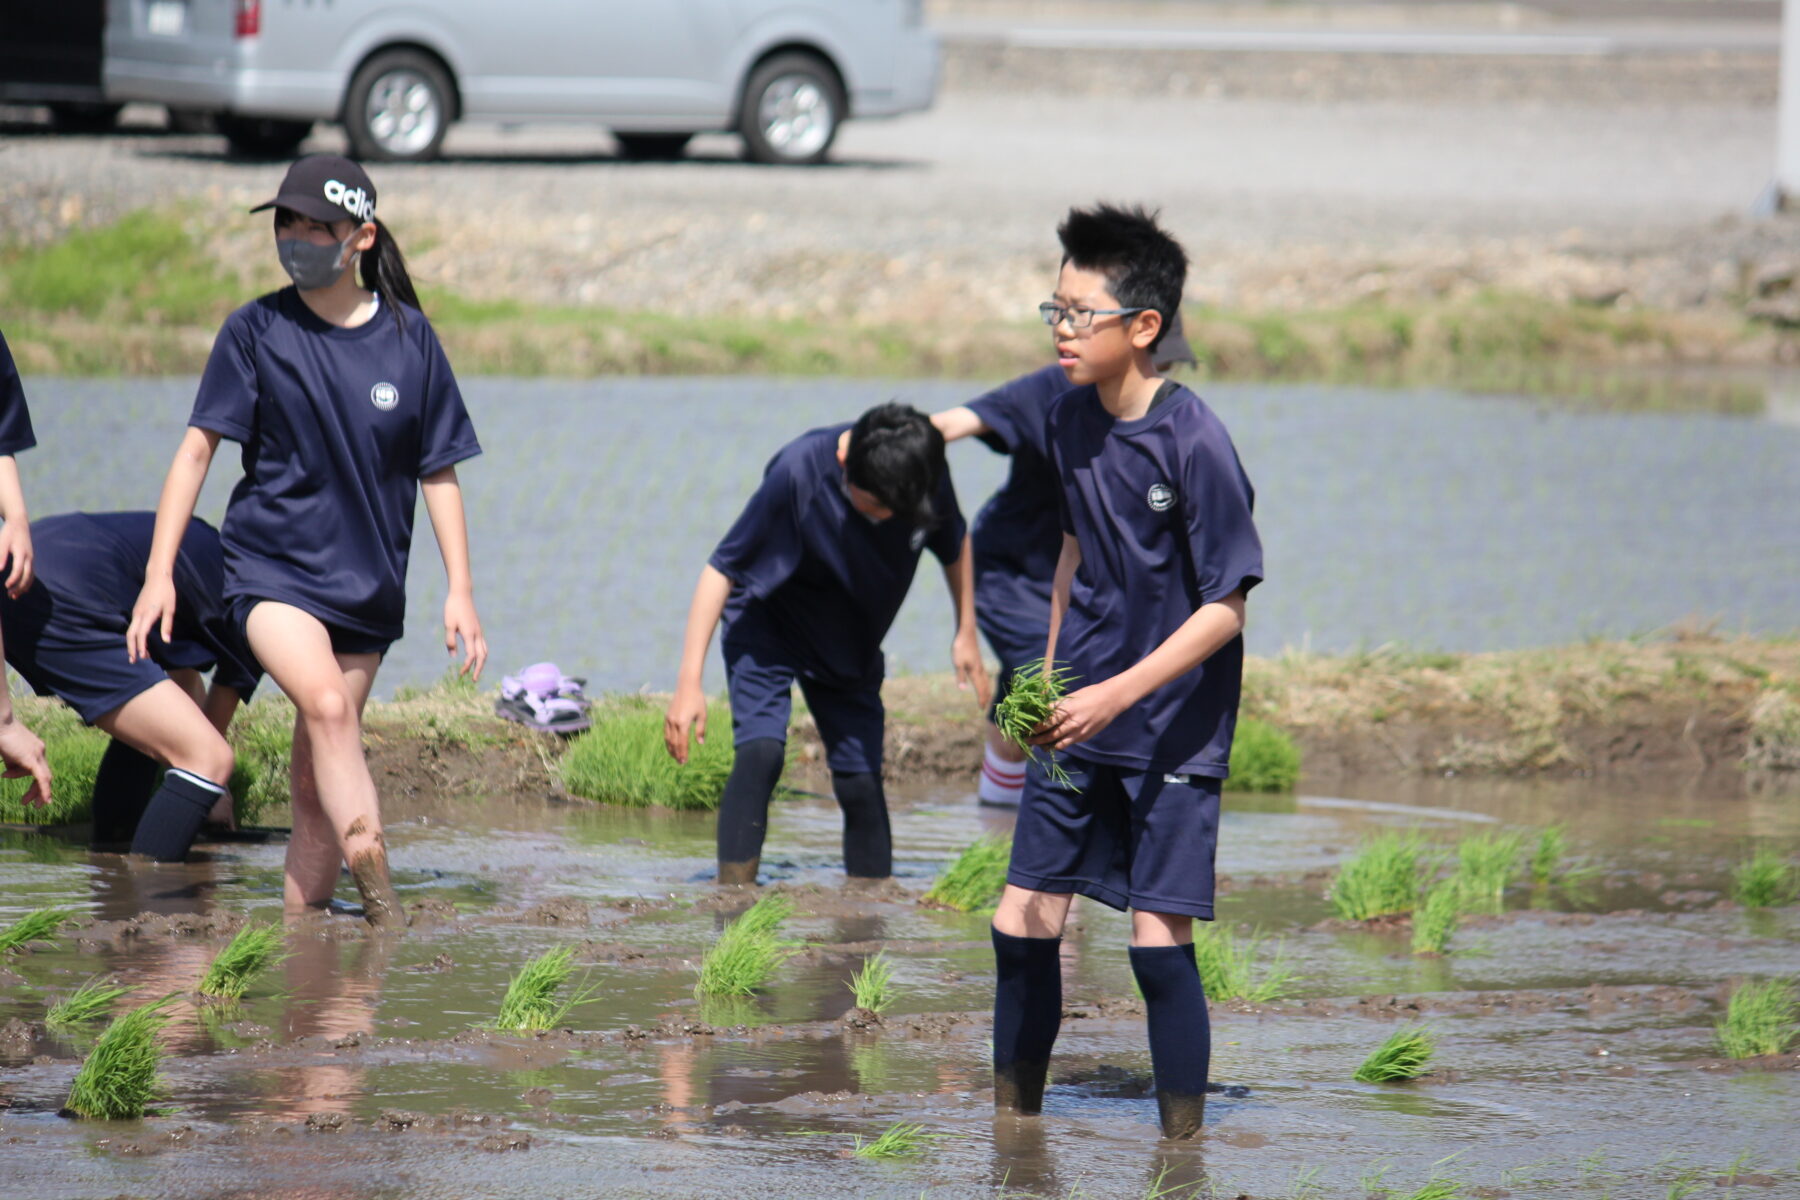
[145,295]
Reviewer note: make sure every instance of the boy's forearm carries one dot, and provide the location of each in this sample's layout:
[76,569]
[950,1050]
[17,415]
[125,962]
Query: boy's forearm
[444,505]
[1201,636]
[710,595]
[12,493]
[958,423]
[180,493]
[960,578]
[1067,563]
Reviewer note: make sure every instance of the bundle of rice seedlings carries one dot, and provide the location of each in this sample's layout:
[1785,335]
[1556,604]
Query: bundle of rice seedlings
[39,925]
[1759,1019]
[1548,854]
[1437,918]
[1229,967]
[1264,758]
[748,952]
[1484,866]
[255,949]
[1381,879]
[974,881]
[1768,879]
[92,999]
[904,1139]
[118,1079]
[1403,1056]
[1031,699]
[622,759]
[531,996]
[873,986]
[73,751]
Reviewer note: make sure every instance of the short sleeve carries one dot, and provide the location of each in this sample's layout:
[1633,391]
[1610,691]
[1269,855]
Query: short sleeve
[15,418]
[226,402]
[764,546]
[1223,544]
[447,436]
[1014,412]
[946,537]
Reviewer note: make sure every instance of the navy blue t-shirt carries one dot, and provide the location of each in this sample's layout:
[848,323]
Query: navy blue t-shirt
[338,426]
[90,567]
[1017,535]
[1162,509]
[815,579]
[15,418]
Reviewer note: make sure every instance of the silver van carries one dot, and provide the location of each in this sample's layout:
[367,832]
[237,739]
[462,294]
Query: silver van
[784,74]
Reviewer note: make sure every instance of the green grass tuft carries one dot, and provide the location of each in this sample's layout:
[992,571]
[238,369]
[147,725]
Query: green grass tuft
[39,925]
[1404,1055]
[749,950]
[117,1081]
[1548,854]
[531,996]
[873,986]
[1437,1189]
[1031,698]
[1768,879]
[974,881]
[1382,878]
[262,736]
[1437,918]
[904,1139]
[73,751]
[254,949]
[622,759]
[1264,758]
[1484,866]
[1759,1019]
[1229,966]
[92,999]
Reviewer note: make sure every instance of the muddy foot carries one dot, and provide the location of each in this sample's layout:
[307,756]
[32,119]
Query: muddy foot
[1182,1114]
[1019,1087]
[739,874]
[369,871]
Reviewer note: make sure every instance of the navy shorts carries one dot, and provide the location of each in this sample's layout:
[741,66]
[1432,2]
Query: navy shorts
[1130,839]
[84,666]
[760,683]
[343,640]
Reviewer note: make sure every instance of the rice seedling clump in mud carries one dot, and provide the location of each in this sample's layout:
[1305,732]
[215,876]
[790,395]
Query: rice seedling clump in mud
[254,950]
[974,881]
[531,1000]
[748,952]
[1404,1055]
[117,1081]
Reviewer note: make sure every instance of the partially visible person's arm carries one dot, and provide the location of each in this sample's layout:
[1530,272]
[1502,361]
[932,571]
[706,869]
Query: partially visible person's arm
[220,706]
[22,751]
[15,535]
[1067,563]
[965,648]
[958,423]
[155,608]
[444,503]
[687,711]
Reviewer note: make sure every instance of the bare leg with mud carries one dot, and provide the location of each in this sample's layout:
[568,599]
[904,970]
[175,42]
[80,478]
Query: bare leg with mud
[336,810]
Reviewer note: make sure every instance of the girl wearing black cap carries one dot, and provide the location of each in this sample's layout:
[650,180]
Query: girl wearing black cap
[345,406]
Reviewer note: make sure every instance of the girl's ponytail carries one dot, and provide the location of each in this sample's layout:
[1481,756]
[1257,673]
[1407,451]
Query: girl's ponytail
[384,272]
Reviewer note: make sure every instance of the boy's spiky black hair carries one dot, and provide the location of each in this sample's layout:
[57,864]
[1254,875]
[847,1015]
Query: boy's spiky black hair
[1143,265]
[897,454]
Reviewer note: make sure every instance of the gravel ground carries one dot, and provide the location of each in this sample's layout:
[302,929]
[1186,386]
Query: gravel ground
[1295,181]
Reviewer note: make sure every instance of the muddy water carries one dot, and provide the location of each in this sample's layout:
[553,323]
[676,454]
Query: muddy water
[1575,1060]
[1430,518]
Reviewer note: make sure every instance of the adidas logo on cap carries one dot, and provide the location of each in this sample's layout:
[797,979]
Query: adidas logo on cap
[353,200]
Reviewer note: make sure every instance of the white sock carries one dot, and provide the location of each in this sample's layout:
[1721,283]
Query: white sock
[1001,781]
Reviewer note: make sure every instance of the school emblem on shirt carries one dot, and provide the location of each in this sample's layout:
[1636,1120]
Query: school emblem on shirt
[917,541]
[1160,497]
[384,396]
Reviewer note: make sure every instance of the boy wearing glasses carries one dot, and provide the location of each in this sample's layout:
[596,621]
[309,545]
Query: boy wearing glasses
[1147,613]
[807,582]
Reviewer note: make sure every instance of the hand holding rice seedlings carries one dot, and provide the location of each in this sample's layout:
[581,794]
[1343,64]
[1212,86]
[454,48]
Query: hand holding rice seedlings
[92,999]
[748,952]
[904,1139]
[39,925]
[531,995]
[1548,854]
[254,949]
[1403,1056]
[873,986]
[1228,967]
[1264,758]
[1381,879]
[1030,701]
[1768,879]
[118,1079]
[1437,918]
[1484,868]
[1759,1019]
[73,751]
[974,881]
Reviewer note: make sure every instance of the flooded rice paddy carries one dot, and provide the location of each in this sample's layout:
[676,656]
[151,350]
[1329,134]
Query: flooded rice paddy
[1428,518]
[1576,1055]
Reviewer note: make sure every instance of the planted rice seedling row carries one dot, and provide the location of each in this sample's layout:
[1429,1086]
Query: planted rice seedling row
[748,952]
[873,986]
[1231,969]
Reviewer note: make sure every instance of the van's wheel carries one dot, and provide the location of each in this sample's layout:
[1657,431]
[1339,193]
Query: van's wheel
[791,110]
[399,108]
[84,118]
[652,147]
[262,137]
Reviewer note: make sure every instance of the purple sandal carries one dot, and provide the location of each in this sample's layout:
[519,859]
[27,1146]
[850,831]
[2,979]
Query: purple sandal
[542,697]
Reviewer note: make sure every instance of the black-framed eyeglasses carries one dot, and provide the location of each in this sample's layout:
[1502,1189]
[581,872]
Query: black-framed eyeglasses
[1079,318]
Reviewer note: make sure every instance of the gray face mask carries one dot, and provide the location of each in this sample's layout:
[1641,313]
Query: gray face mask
[312,267]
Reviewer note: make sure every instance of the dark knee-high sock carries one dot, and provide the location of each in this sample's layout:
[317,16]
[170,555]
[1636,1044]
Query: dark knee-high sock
[122,788]
[174,815]
[1027,1014]
[868,841]
[744,808]
[1180,1033]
